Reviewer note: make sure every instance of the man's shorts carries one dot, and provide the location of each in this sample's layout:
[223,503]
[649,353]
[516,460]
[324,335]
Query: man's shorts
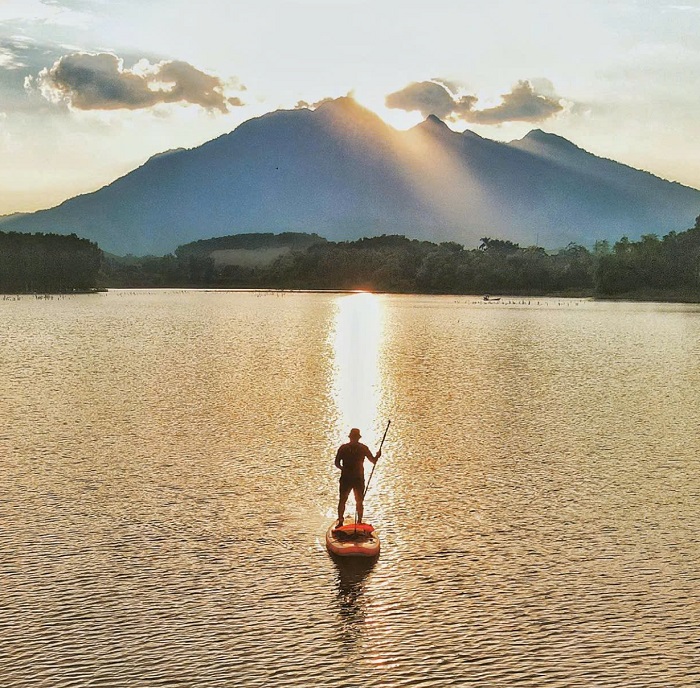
[352,482]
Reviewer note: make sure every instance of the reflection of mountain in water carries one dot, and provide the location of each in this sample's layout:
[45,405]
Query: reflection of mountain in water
[342,172]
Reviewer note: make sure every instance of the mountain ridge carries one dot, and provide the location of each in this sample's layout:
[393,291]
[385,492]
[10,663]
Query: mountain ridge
[342,172]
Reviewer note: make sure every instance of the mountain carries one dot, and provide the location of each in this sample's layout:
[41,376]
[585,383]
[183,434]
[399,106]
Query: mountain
[343,173]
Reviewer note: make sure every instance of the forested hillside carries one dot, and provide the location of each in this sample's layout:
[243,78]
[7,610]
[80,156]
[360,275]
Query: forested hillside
[651,267]
[47,263]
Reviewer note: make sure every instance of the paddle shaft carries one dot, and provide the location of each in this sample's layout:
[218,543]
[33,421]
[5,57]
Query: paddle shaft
[381,444]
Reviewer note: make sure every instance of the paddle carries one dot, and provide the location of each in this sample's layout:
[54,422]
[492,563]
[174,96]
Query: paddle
[381,444]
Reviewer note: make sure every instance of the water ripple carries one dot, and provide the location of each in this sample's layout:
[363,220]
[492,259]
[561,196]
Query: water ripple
[167,480]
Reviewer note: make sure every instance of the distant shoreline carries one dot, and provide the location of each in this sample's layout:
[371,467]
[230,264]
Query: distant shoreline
[641,297]
[47,294]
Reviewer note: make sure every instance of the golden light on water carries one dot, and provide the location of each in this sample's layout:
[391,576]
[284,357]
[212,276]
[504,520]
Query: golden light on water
[356,374]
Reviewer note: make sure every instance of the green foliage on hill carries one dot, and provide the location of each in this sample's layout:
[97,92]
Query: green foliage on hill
[146,271]
[652,265]
[665,268]
[47,263]
[391,263]
[258,240]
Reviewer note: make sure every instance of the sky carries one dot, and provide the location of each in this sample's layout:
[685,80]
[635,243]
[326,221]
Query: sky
[90,89]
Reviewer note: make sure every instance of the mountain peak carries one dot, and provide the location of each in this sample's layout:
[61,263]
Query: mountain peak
[343,103]
[345,106]
[435,120]
[432,124]
[544,138]
[348,111]
[469,134]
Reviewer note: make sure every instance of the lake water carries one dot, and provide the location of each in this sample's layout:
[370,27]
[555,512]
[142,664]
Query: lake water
[167,477]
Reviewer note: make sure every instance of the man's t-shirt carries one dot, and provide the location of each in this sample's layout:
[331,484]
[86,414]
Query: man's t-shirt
[350,458]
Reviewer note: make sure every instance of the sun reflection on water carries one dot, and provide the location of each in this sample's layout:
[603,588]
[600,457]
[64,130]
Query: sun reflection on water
[357,380]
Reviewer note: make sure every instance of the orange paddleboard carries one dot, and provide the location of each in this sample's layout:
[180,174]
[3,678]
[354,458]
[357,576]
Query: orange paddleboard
[352,540]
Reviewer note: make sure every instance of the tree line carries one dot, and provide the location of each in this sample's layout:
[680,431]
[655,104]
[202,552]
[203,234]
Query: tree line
[648,268]
[653,267]
[48,263]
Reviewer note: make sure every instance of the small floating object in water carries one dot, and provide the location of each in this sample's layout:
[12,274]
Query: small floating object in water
[352,539]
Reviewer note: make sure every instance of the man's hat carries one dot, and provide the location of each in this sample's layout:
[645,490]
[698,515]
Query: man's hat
[355,432]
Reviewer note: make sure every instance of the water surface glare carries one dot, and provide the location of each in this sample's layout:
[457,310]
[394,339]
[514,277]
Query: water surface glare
[167,477]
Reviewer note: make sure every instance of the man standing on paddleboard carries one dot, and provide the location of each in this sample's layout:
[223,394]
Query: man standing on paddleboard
[350,460]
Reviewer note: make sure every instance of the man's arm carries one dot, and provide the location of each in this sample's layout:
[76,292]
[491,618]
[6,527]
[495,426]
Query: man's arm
[371,457]
[337,460]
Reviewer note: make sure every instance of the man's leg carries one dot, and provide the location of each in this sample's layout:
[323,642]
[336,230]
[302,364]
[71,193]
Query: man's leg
[358,491]
[343,498]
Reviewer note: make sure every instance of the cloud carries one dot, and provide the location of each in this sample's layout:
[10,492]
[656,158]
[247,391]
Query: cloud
[522,104]
[8,59]
[431,98]
[75,13]
[683,8]
[100,82]
[14,51]
[305,105]
[440,97]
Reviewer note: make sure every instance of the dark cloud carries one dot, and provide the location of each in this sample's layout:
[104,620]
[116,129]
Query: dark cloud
[100,82]
[431,98]
[438,97]
[522,104]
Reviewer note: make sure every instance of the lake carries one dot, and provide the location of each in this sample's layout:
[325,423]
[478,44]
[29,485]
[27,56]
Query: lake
[167,479]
